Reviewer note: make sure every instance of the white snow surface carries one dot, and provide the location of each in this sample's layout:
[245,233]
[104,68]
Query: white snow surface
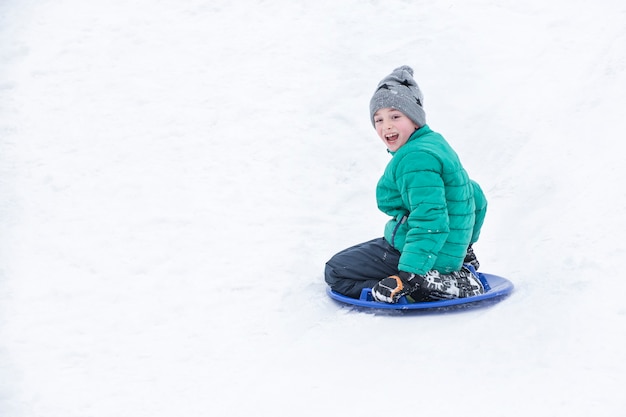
[175,174]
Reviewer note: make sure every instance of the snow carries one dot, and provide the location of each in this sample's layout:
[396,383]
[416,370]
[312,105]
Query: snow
[173,176]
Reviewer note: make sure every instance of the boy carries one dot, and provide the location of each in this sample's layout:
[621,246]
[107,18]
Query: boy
[436,210]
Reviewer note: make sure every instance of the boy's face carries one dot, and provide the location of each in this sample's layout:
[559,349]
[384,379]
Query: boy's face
[393,127]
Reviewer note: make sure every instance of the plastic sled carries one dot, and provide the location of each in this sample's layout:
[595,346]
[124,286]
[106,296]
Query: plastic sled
[496,287]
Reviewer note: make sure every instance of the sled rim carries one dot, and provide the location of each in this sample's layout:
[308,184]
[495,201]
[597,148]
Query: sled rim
[499,287]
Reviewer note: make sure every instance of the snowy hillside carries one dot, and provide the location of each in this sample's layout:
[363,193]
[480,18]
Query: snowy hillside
[173,176]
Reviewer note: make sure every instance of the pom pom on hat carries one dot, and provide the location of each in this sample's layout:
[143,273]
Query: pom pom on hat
[399,91]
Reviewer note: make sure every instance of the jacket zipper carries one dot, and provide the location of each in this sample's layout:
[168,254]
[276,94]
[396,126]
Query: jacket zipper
[395,230]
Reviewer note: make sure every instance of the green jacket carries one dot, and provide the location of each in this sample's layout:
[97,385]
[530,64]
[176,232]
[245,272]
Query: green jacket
[437,211]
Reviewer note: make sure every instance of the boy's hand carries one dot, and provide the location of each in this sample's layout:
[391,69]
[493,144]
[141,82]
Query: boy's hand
[390,289]
[470,258]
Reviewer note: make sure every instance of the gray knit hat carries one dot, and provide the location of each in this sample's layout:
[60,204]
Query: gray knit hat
[399,91]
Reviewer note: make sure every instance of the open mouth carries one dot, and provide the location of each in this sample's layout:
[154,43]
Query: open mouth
[391,137]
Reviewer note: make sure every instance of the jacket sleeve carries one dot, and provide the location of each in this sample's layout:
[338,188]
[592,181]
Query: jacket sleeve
[419,179]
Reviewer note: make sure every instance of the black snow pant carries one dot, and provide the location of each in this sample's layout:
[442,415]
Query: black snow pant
[361,266]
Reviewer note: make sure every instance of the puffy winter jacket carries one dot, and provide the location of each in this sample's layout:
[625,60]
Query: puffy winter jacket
[437,211]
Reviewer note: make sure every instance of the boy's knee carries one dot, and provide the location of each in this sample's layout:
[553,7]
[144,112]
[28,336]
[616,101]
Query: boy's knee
[330,275]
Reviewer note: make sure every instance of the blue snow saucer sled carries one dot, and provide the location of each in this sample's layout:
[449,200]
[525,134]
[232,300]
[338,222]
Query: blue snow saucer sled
[496,287]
